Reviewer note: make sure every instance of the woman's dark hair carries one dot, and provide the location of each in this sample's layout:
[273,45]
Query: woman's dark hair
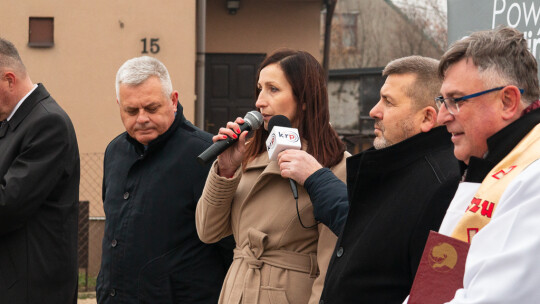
[308,81]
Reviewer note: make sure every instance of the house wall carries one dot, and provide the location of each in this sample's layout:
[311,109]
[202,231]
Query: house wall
[91,40]
[262,26]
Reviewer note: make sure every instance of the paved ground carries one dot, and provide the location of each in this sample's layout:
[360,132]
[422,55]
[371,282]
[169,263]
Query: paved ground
[87,298]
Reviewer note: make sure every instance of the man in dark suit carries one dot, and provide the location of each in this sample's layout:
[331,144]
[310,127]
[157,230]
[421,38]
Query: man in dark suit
[39,190]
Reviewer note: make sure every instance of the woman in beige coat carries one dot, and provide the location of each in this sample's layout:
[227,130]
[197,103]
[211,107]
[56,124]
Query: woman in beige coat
[281,256]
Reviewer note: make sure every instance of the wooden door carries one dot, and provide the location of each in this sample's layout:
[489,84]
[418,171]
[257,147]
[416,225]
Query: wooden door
[229,88]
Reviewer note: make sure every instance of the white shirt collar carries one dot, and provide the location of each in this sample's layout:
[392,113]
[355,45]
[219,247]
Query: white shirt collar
[20,102]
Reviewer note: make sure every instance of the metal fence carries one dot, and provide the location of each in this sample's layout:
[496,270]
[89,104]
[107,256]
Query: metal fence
[91,219]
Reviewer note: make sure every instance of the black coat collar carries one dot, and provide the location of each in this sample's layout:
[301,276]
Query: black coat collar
[396,156]
[404,152]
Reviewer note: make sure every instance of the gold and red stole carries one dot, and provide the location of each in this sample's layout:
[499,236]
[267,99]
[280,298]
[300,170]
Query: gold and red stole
[484,202]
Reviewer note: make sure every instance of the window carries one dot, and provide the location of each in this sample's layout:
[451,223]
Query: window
[41,32]
[349,23]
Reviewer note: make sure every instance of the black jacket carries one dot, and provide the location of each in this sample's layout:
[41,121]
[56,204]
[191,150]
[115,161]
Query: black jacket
[151,251]
[39,199]
[329,198]
[396,196]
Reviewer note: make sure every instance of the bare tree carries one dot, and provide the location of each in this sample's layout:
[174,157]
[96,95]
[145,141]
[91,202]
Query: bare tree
[429,16]
[383,31]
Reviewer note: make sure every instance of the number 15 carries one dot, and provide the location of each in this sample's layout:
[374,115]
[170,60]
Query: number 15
[154,46]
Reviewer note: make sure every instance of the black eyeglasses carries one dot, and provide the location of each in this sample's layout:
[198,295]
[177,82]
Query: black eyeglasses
[451,103]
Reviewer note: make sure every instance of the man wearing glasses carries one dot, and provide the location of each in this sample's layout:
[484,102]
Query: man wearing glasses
[488,103]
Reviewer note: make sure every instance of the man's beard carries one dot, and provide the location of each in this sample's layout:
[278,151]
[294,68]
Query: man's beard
[381,142]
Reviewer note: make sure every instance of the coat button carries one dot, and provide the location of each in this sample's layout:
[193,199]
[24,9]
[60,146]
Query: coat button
[113,292]
[126,195]
[114,243]
[339,252]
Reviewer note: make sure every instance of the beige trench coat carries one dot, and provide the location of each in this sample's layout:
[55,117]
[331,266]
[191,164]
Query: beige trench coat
[276,260]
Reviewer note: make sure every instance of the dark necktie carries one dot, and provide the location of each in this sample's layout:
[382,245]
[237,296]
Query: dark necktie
[3,128]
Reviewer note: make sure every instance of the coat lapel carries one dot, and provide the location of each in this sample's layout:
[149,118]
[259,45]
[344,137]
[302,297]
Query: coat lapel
[28,105]
[269,169]
[3,128]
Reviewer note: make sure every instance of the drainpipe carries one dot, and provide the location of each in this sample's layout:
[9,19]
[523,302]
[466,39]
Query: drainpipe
[330,6]
[200,64]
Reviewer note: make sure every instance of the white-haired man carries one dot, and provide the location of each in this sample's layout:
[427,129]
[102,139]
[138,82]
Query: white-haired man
[151,185]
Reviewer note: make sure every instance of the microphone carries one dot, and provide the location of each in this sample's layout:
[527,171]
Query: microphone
[282,137]
[252,121]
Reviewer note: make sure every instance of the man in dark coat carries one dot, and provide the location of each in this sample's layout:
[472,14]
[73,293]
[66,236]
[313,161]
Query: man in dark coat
[151,185]
[39,190]
[398,190]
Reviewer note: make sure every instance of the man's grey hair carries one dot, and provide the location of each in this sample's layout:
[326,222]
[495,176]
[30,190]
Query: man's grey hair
[502,58]
[137,70]
[9,57]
